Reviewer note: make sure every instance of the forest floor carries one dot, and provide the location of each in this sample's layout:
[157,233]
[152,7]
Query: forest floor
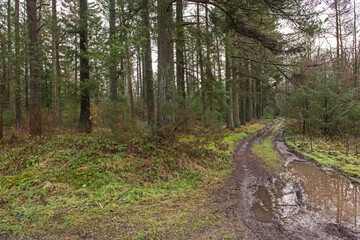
[73,186]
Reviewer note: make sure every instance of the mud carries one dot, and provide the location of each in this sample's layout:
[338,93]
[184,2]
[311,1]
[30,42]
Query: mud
[302,202]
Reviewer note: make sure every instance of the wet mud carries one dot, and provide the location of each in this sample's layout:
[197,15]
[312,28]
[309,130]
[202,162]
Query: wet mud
[302,202]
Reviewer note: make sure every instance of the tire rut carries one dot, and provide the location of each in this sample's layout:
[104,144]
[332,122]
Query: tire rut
[251,193]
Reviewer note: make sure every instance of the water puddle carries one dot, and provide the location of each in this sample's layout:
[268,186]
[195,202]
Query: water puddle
[263,209]
[306,190]
[327,192]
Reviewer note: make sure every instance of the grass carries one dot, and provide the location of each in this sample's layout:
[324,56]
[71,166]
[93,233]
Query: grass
[329,153]
[229,138]
[54,186]
[234,137]
[265,151]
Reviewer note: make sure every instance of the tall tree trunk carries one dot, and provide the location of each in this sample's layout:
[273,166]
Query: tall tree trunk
[9,87]
[54,85]
[84,120]
[17,67]
[218,61]
[248,103]
[187,66]
[230,115]
[58,78]
[148,71]
[209,78]
[355,63]
[200,61]
[76,52]
[113,57]
[26,83]
[236,93]
[180,46]
[2,87]
[130,87]
[35,85]
[337,26]
[242,103]
[165,64]
[141,85]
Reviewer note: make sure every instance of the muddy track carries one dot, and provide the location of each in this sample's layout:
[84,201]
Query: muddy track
[257,204]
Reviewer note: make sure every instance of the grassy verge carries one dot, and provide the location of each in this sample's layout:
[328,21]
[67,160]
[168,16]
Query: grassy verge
[87,186]
[329,153]
[265,150]
[228,139]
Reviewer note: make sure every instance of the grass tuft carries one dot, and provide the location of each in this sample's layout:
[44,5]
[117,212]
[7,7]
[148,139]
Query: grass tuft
[265,150]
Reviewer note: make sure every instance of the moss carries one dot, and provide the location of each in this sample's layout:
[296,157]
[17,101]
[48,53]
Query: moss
[265,150]
[328,153]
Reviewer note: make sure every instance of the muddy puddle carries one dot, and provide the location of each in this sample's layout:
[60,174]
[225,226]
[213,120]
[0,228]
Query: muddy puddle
[325,192]
[306,194]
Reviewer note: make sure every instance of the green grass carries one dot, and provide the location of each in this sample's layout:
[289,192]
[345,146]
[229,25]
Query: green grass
[63,182]
[265,150]
[328,153]
[54,186]
[228,139]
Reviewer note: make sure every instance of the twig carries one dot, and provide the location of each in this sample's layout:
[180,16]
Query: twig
[117,199]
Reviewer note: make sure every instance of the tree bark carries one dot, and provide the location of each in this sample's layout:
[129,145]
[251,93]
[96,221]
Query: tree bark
[242,103]
[26,87]
[148,73]
[248,104]
[2,87]
[230,115]
[180,46]
[235,90]
[113,58]
[9,89]
[17,67]
[165,64]
[355,63]
[130,87]
[54,85]
[35,85]
[76,54]
[84,120]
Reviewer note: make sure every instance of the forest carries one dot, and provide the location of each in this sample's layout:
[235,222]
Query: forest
[110,63]
[108,107]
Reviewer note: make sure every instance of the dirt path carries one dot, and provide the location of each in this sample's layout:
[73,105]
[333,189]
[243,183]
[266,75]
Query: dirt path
[257,204]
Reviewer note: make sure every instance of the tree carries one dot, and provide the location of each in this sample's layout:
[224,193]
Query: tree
[17,66]
[3,85]
[165,64]
[113,57]
[35,85]
[148,73]
[230,115]
[180,46]
[55,85]
[84,120]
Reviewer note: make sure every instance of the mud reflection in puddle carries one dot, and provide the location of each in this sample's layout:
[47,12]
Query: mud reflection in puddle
[305,187]
[263,209]
[327,192]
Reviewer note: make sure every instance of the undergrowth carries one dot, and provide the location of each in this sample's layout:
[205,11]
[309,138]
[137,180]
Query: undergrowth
[331,153]
[136,188]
